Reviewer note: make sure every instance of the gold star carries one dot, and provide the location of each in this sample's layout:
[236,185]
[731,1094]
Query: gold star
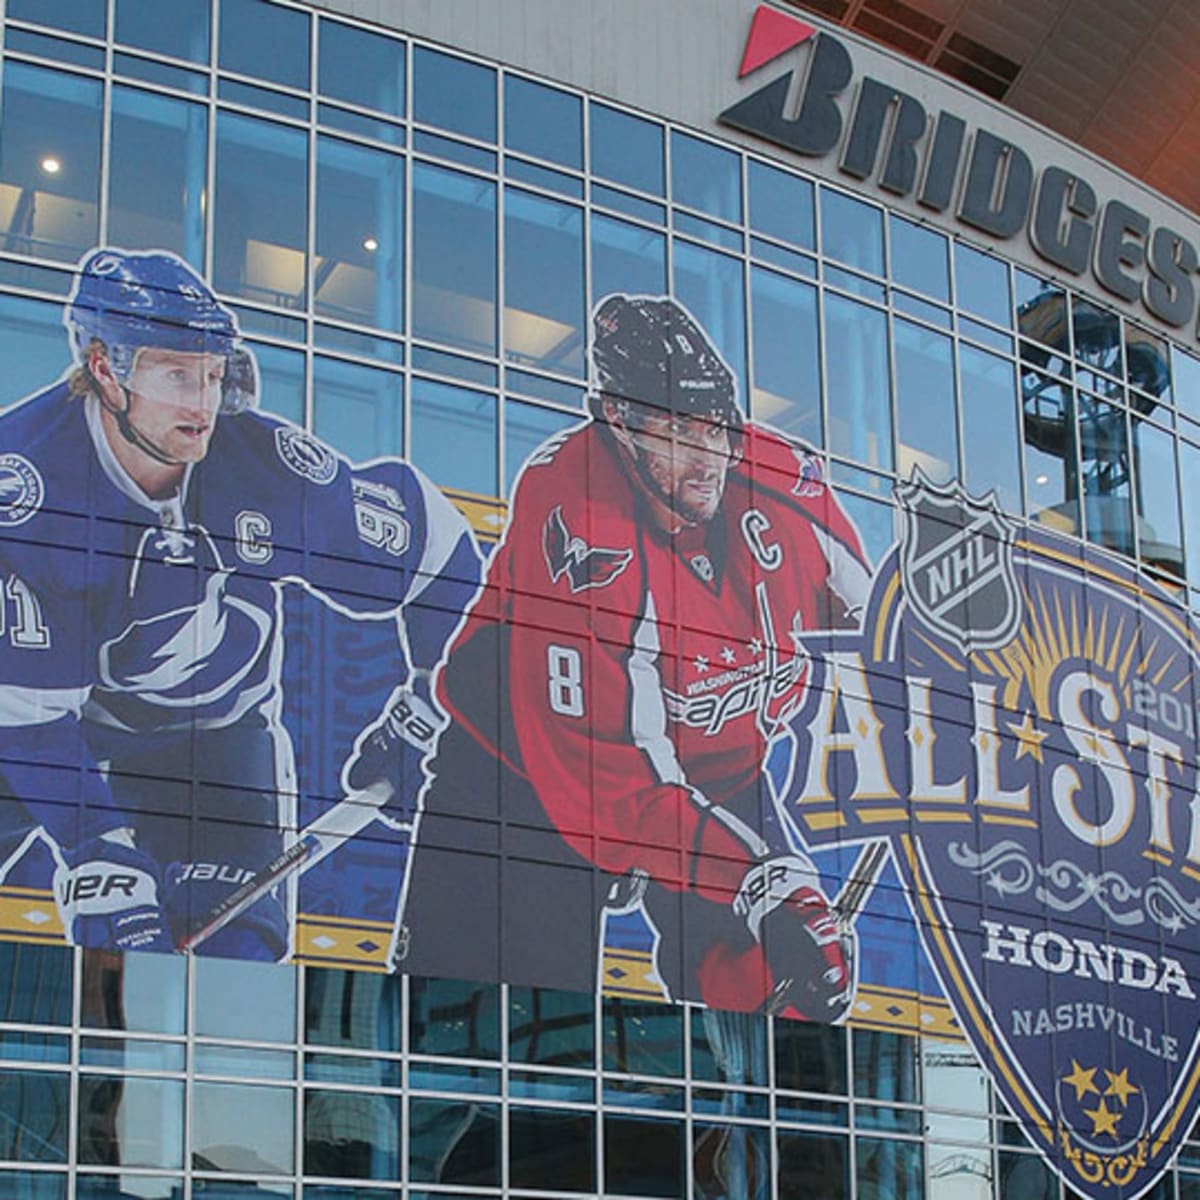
[1119,1086]
[1029,738]
[1082,1081]
[1103,1121]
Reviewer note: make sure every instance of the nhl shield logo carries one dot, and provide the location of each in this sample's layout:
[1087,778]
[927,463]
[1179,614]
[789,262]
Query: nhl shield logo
[956,564]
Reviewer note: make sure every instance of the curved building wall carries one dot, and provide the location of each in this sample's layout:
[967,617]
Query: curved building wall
[412,211]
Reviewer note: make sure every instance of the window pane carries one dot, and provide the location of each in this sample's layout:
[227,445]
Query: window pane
[550,1027]
[710,286]
[454,1143]
[130,1122]
[543,283]
[1051,462]
[454,94]
[644,1156]
[925,403]
[526,427]
[1147,362]
[34,1105]
[642,1038]
[781,205]
[546,1145]
[222,986]
[731,1160]
[358,410]
[49,162]
[543,121]
[454,436]
[888,1168]
[250,26]
[37,983]
[360,234]
[146,992]
[159,157]
[453,1018]
[885,1065]
[32,348]
[351,1134]
[851,231]
[990,439]
[729,1047]
[1186,372]
[454,258]
[361,68]
[627,258]
[281,378]
[352,1008]
[1104,468]
[706,177]
[180,30]
[261,207]
[920,259]
[981,285]
[860,418]
[1157,498]
[814,1164]
[78,16]
[787,359]
[39,1185]
[627,149]
[810,1057]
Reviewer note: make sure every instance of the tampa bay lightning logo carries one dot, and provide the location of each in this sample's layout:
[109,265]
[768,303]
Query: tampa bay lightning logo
[305,455]
[21,489]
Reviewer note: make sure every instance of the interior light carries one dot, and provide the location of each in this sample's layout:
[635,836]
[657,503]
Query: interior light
[1041,480]
[370,244]
[51,165]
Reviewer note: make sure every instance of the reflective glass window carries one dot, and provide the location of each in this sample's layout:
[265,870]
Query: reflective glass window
[883,1167]
[454,1018]
[644,1156]
[781,205]
[1157,494]
[34,351]
[1051,460]
[243,1128]
[259,231]
[643,1039]
[981,285]
[454,1143]
[627,258]
[627,149]
[361,67]
[1186,372]
[786,355]
[38,1185]
[990,439]
[359,410]
[729,1047]
[814,1164]
[885,1065]
[550,1027]
[1189,478]
[281,382]
[875,521]
[158,156]
[181,30]
[131,1122]
[49,162]
[706,177]
[454,258]
[730,1160]
[543,283]
[250,26]
[926,436]
[1147,362]
[920,259]
[555,1147]
[851,231]
[454,436]
[858,389]
[222,986]
[359,272]
[1097,337]
[454,94]
[352,1009]
[810,1057]
[145,992]
[543,121]
[34,1128]
[710,286]
[1029,1177]
[526,427]
[77,16]
[352,1134]
[1105,471]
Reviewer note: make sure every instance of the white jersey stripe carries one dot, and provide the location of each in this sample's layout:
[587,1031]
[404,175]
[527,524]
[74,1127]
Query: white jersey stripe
[647,712]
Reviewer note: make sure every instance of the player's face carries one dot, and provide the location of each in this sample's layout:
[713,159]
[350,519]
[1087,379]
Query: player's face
[686,459]
[173,400]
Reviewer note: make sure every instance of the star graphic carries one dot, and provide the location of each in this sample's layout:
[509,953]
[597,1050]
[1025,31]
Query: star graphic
[1119,1086]
[754,646]
[1029,738]
[728,655]
[1083,1081]
[1103,1121]
[701,664]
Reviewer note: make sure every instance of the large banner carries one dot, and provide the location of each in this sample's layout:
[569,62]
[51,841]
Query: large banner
[674,737]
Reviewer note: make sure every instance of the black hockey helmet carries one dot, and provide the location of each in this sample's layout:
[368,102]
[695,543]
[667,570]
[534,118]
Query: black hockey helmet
[650,354]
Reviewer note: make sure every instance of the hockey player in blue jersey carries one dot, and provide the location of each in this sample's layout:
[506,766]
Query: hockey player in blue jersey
[150,522]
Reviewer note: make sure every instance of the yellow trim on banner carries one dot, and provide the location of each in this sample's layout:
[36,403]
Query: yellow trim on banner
[485,514]
[343,942]
[29,915]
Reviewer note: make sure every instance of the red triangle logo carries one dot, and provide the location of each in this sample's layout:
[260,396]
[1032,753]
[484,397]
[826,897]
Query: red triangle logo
[771,34]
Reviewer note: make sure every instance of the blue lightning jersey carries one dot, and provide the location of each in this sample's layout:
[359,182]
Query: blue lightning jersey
[155,617]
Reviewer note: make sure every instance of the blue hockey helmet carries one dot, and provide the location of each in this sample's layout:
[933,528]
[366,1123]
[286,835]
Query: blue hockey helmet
[133,300]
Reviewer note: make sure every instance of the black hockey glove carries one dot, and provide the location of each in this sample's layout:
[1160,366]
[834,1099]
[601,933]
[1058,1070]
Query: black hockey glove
[391,749]
[810,957]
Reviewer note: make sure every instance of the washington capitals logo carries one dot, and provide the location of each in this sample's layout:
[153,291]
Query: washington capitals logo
[584,566]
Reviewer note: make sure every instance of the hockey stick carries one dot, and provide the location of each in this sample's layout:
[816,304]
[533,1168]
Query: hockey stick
[316,841]
[860,883]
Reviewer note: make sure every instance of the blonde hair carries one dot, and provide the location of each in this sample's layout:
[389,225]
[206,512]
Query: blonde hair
[81,382]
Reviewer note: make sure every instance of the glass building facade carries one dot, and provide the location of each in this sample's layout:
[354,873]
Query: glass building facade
[413,240]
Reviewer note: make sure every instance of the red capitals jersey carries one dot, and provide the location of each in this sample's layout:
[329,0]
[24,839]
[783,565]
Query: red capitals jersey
[632,680]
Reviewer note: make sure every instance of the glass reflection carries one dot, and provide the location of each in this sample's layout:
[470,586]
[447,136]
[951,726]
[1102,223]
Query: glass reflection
[144,992]
[643,1156]
[526,427]
[37,984]
[926,435]
[543,122]
[810,1057]
[247,26]
[710,285]
[1105,470]
[221,1011]
[454,94]
[548,1144]
[351,1134]
[243,1129]
[920,259]
[450,1017]
[643,1039]
[851,231]
[352,1009]
[786,355]
[627,149]
[990,438]
[357,409]
[1157,497]
[454,436]
[888,1170]
[814,1165]
[781,205]
[730,1162]
[706,177]
[627,258]
[180,31]
[361,67]
[28,1185]
[551,1028]
[33,1116]
[856,355]
[450,1142]
[130,1122]
[981,285]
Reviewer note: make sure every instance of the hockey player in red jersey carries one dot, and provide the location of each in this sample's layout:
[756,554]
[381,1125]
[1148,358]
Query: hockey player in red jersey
[616,688]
